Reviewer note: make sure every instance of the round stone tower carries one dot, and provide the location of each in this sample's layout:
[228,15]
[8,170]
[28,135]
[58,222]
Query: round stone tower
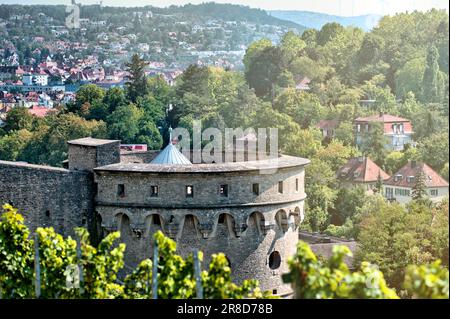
[248,210]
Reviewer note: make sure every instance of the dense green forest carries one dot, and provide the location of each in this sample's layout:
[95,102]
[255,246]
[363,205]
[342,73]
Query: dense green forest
[401,65]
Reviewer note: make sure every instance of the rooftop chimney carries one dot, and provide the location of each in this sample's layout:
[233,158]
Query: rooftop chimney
[413,164]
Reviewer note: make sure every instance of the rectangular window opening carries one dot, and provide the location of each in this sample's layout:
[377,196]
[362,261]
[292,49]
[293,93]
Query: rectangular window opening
[223,190]
[154,191]
[189,191]
[121,190]
[280,187]
[255,188]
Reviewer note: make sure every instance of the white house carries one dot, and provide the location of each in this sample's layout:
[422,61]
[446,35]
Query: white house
[40,79]
[399,187]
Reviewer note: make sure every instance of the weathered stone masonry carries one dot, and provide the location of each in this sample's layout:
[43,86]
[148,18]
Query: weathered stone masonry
[248,210]
[48,196]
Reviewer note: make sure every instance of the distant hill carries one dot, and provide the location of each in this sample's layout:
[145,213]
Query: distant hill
[204,11]
[317,20]
[233,12]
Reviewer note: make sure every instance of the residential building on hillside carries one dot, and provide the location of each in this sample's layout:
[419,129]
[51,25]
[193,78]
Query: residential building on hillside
[361,171]
[327,127]
[397,130]
[40,79]
[399,187]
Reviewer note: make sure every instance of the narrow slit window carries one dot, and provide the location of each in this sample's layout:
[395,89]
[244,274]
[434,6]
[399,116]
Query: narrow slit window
[255,189]
[154,191]
[296,184]
[121,190]
[280,187]
[223,190]
[189,191]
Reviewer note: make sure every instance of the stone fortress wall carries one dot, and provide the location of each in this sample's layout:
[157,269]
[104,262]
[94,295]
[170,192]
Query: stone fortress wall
[48,196]
[255,226]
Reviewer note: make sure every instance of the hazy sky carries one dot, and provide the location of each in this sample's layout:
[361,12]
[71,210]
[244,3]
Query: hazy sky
[338,7]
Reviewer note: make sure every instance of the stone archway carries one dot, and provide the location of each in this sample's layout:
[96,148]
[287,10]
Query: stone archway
[225,226]
[255,224]
[281,219]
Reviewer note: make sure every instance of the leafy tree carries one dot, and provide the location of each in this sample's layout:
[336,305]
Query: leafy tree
[316,220]
[427,281]
[375,89]
[369,56]
[137,84]
[444,171]
[419,190]
[433,79]
[123,123]
[285,80]
[160,90]
[52,144]
[346,230]
[100,266]
[336,154]
[263,71]
[349,202]
[410,77]
[253,50]
[114,97]
[434,150]
[394,161]
[374,143]
[409,106]
[16,262]
[19,118]
[13,145]
[393,236]
[312,279]
[310,37]
[344,133]
[304,108]
[150,135]
[329,32]
[292,46]
[379,184]
[88,95]
[320,181]
[303,66]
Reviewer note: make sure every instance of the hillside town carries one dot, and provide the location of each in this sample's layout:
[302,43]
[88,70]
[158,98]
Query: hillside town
[87,114]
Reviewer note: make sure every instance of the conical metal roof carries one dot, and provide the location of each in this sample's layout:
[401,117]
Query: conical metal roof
[171,155]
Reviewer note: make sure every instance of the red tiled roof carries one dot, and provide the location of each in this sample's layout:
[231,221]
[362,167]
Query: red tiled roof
[39,111]
[432,179]
[384,118]
[362,170]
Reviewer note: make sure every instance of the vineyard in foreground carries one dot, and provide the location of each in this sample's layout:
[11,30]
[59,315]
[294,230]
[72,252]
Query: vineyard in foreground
[51,266]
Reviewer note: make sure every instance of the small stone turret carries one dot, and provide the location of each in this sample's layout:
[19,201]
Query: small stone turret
[87,153]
